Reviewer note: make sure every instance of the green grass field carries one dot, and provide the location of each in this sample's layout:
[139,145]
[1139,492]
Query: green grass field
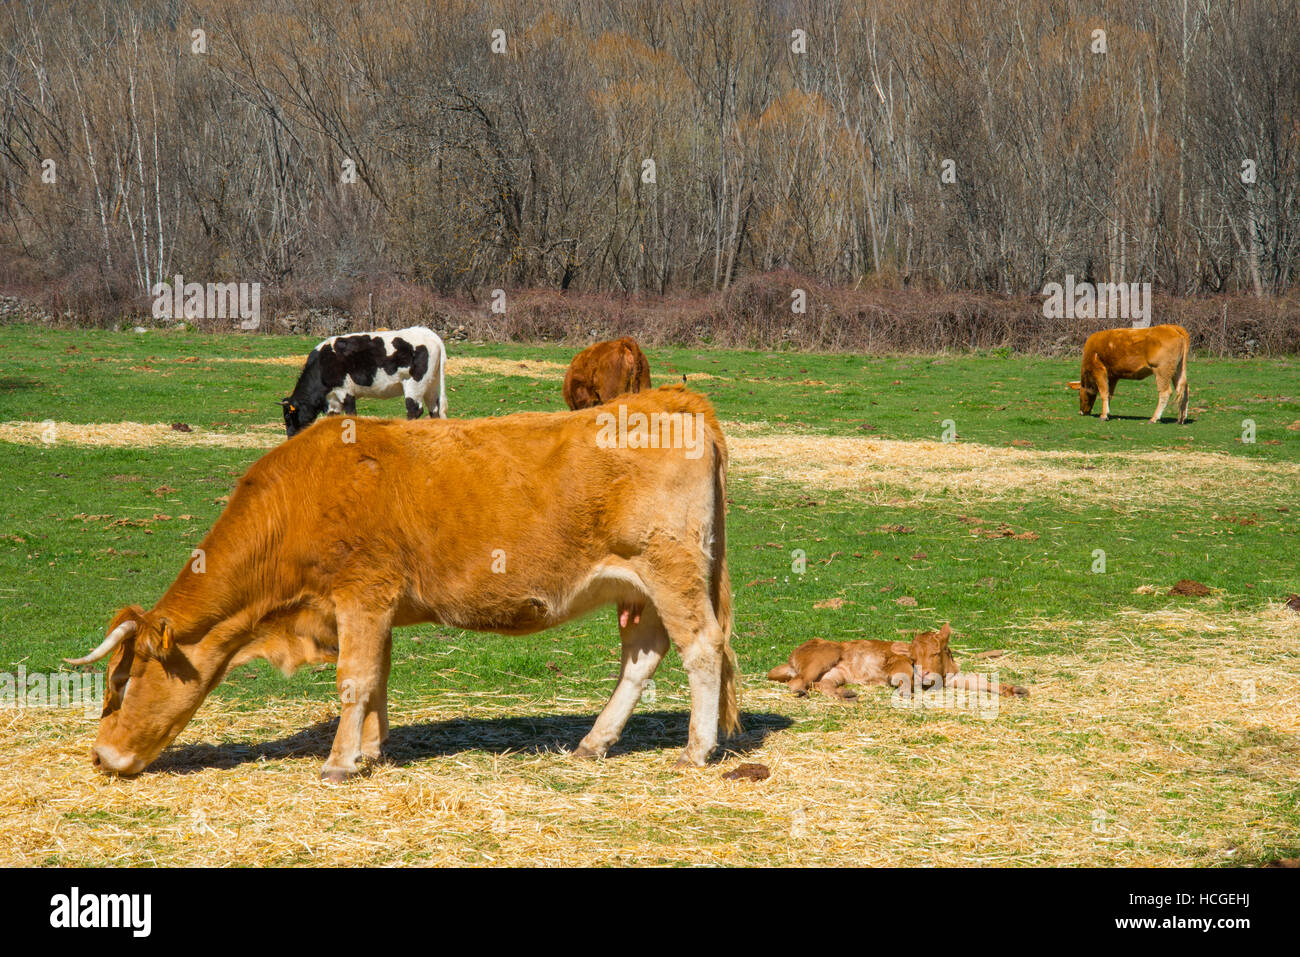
[1160,729]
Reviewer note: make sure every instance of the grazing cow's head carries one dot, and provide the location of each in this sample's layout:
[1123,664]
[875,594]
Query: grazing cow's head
[932,657]
[297,416]
[153,689]
[1087,397]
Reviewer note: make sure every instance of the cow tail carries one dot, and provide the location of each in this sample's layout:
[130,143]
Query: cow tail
[1183,393]
[729,696]
[442,385]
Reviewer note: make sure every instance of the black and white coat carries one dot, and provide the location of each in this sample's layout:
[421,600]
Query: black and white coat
[371,364]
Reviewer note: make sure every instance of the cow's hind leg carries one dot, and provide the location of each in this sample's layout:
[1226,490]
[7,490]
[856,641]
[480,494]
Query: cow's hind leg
[1164,389]
[700,641]
[644,645]
[365,656]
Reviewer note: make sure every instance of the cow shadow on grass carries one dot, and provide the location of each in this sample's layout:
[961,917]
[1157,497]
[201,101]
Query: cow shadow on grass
[1165,419]
[542,734]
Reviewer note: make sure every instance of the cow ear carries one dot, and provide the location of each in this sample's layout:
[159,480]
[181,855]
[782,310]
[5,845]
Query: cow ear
[945,633]
[1076,386]
[157,638]
[166,636]
[901,647]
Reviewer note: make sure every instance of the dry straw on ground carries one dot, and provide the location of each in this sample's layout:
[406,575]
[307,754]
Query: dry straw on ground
[968,469]
[456,365]
[1164,738]
[870,468]
[137,434]
[471,365]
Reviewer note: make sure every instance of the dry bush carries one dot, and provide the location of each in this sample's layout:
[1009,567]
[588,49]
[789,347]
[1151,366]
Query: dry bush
[753,313]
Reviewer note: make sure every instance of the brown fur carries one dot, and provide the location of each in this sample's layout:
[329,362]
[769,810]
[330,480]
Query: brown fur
[326,545]
[1115,354]
[605,371]
[829,666]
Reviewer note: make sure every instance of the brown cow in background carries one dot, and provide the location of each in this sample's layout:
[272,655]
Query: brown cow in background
[1115,354]
[606,370]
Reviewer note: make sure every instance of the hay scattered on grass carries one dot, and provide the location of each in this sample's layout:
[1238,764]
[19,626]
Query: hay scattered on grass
[456,365]
[846,463]
[141,434]
[1161,738]
[472,365]
[840,463]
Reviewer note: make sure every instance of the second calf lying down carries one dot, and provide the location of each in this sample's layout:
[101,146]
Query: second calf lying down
[829,666]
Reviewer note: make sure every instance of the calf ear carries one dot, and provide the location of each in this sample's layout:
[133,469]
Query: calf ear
[945,633]
[901,647]
[1076,386]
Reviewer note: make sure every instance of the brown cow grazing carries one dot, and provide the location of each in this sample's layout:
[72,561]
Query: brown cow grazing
[510,524]
[604,371]
[1115,354]
[830,665]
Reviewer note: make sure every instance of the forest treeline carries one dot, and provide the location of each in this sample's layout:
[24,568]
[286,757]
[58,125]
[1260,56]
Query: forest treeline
[649,147]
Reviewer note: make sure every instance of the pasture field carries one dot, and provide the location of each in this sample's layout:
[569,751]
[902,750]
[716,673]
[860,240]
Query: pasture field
[1160,729]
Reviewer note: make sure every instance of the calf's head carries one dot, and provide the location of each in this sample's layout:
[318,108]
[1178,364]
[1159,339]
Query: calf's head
[154,687]
[932,657]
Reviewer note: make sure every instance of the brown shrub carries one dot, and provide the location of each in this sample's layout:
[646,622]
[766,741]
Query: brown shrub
[754,312]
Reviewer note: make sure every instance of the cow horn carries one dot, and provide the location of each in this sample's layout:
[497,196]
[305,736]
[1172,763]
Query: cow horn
[115,638]
[285,401]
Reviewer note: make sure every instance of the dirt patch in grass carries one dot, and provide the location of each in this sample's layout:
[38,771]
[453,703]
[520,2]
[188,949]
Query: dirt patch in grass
[1162,738]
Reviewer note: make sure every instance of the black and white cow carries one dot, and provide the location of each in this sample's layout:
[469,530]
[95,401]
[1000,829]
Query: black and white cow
[372,364]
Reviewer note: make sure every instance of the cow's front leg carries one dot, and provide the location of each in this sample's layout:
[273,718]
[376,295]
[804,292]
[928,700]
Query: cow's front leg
[374,730]
[645,642]
[350,405]
[414,399]
[365,647]
[832,684]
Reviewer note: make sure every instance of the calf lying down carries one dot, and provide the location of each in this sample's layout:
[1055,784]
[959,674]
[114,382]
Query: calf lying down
[829,666]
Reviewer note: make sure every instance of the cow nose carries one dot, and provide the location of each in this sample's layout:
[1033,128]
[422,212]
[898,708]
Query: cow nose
[107,759]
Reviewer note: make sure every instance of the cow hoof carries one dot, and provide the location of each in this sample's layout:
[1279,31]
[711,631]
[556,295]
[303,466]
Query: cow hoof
[335,775]
[586,753]
[686,763]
